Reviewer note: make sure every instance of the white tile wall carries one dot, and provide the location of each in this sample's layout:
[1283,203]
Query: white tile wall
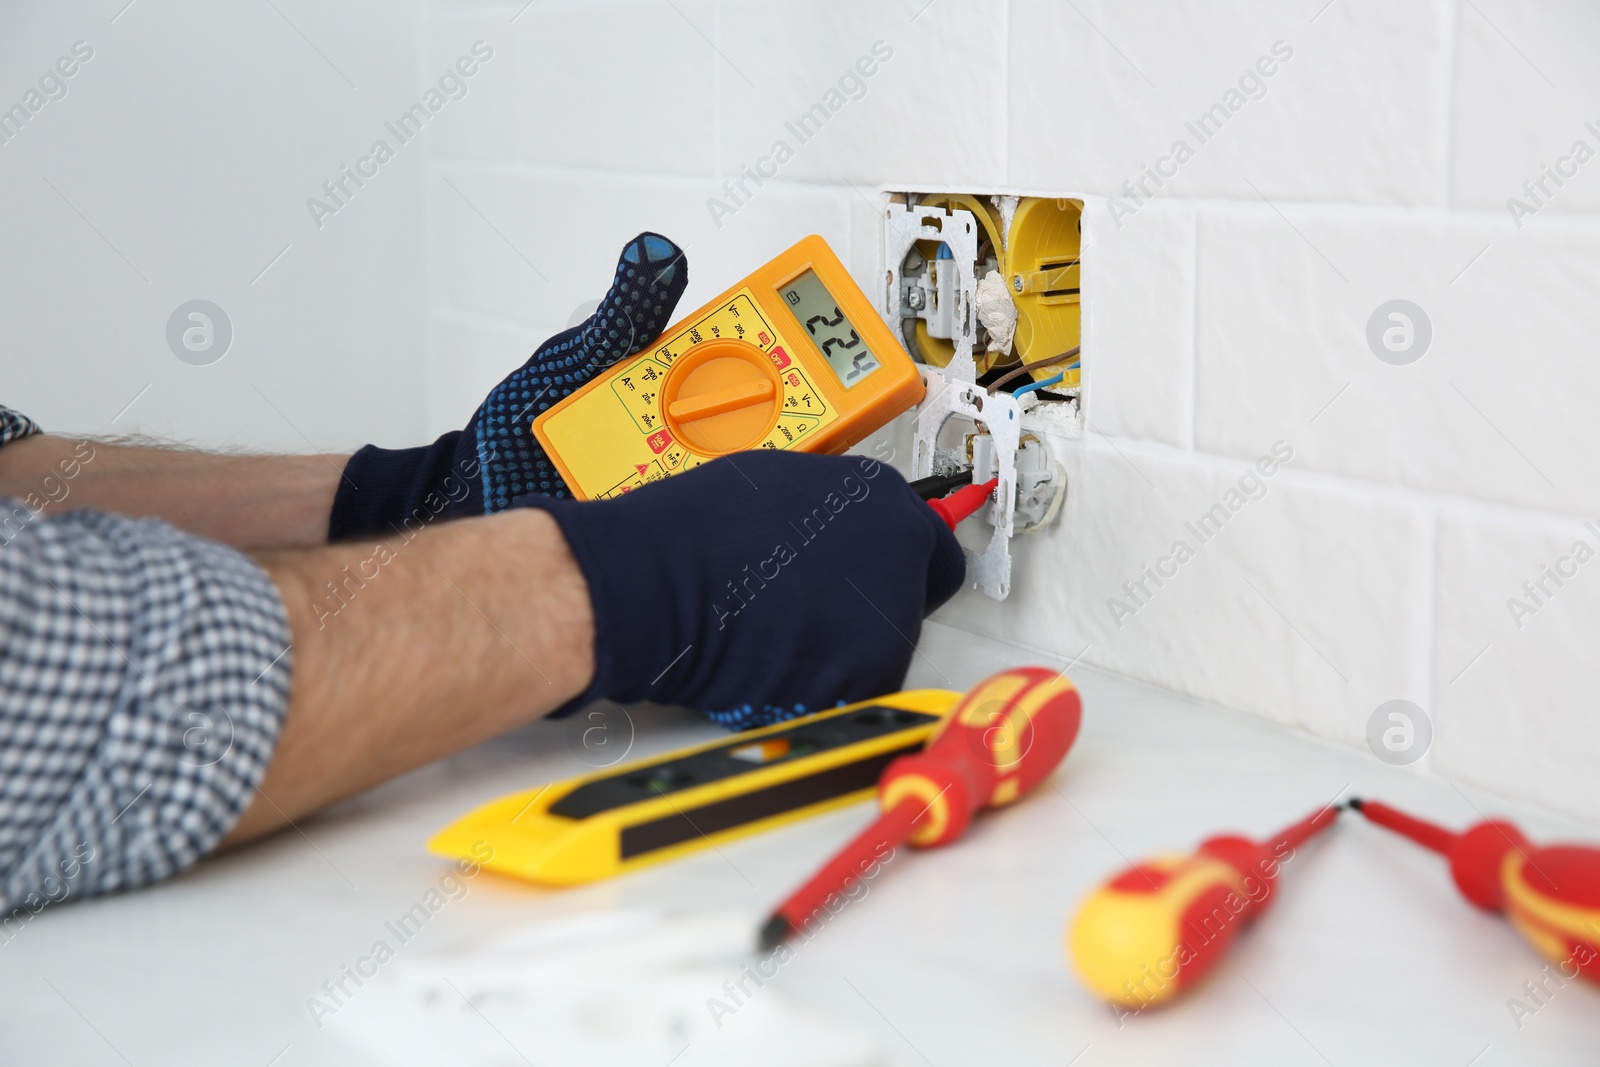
[1225,314]
[475,352]
[1309,604]
[1526,85]
[1352,109]
[529,244]
[637,98]
[932,110]
[1515,687]
[1496,408]
[177,167]
[496,116]
[1139,309]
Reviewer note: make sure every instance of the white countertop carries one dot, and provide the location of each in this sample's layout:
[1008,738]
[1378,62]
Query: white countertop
[953,958]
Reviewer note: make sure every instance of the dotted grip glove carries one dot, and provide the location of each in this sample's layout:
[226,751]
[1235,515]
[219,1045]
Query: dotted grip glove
[760,586]
[481,469]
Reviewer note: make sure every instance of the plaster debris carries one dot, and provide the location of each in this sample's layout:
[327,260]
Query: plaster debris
[997,311]
[636,985]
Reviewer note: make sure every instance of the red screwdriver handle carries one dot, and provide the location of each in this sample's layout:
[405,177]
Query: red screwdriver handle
[1004,738]
[1552,897]
[1157,928]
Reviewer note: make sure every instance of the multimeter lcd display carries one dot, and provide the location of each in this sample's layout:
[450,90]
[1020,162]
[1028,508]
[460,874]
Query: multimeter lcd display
[830,331]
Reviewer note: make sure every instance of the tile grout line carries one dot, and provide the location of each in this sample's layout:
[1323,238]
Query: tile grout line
[1005,90]
[1452,53]
[1330,481]
[1193,347]
[1430,622]
[718,116]
[1342,210]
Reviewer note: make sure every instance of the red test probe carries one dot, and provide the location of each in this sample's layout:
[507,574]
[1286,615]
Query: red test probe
[963,502]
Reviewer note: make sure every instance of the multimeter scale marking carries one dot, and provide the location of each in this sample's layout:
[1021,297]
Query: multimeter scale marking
[639,389]
[739,319]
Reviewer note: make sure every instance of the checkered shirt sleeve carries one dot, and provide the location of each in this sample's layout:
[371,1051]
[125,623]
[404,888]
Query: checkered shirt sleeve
[14,424]
[144,676]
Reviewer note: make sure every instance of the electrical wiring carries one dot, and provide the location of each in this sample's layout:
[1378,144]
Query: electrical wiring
[1031,386]
[1070,354]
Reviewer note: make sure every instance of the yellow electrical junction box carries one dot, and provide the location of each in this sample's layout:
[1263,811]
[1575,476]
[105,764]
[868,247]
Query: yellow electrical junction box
[792,356]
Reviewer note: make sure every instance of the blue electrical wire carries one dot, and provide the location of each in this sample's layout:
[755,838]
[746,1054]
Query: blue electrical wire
[1031,386]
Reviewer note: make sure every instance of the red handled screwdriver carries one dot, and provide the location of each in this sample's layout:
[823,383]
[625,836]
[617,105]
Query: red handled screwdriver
[1005,737]
[1550,893]
[1158,927]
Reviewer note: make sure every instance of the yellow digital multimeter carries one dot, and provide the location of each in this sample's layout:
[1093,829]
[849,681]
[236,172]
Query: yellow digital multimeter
[791,357]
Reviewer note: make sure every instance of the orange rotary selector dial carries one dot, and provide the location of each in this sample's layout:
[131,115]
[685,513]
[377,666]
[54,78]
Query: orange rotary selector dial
[723,396]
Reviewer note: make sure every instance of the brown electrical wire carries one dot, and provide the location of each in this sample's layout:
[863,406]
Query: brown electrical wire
[1064,357]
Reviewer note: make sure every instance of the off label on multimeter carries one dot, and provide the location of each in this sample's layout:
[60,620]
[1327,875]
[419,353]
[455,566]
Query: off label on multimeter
[791,357]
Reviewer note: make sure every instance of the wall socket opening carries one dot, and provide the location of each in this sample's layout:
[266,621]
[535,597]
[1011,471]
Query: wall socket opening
[984,291]
[988,287]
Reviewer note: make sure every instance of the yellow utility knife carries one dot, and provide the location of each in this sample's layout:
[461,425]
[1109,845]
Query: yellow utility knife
[593,827]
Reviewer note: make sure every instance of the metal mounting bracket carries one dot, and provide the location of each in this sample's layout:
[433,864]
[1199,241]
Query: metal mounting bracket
[999,413]
[904,226]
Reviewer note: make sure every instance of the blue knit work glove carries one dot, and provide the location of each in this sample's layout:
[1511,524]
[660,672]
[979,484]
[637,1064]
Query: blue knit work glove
[759,586]
[480,470]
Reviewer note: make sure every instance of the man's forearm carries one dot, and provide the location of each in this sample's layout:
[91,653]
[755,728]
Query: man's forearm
[406,651]
[242,500]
